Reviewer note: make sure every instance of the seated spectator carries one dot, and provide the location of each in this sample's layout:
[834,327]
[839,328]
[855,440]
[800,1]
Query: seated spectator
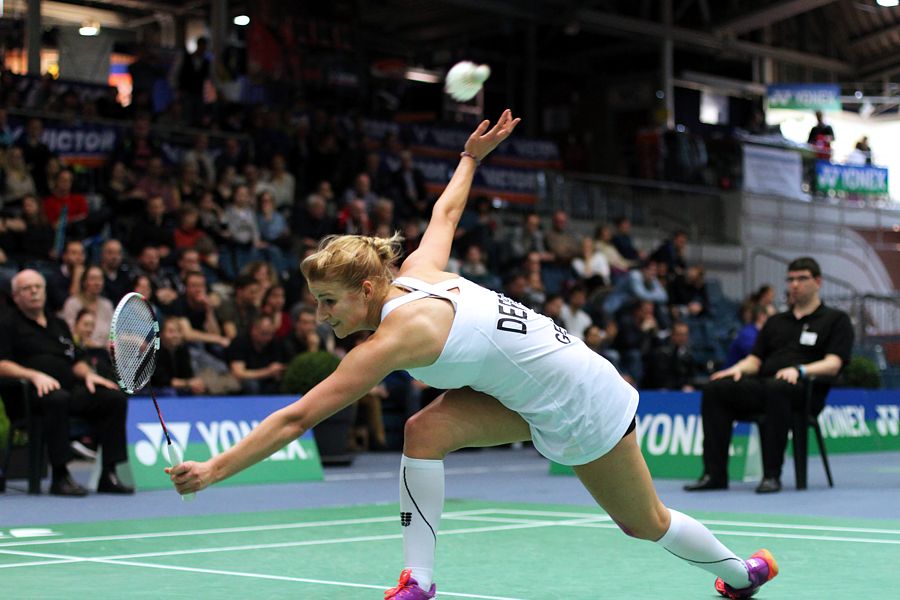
[687,293]
[638,335]
[188,234]
[672,253]
[211,218]
[641,284]
[354,218]
[810,339]
[670,366]
[155,228]
[190,186]
[474,269]
[765,297]
[257,359]
[310,223]
[274,234]
[39,347]
[592,266]
[618,264]
[601,341]
[241,229]
[574,318]
[202,158]
[18,181]
[553,307]
[282,184]
[62,199]
[163,280]
[265,275]
[155,182]
[89,297]
[525,239]
[361,190]
[96,355]
[535,290]
[117,274]
[273,302]
[64,279]
[746,337]
[122,199]
[408,183]
[623,242]
[30,238]
[37,154]
[195,311]
[173,362]
[237,314]
[303,336]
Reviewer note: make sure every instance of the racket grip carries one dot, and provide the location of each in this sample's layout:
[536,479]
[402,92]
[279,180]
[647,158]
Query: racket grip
[173,454]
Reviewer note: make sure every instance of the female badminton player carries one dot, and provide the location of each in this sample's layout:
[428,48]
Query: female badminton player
[513,374]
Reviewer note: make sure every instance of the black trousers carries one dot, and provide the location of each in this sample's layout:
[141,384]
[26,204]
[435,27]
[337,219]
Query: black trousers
[105,411]
[725,401]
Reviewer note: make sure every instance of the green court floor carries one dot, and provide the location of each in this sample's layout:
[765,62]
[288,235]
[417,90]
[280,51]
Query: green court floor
[486,550]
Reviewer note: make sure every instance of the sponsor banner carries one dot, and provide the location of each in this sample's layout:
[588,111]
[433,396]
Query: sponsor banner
[804,96]
[447,142]
[88,145]
[670,430]
[773,171]
[851,179]
[206,426]
[512,184]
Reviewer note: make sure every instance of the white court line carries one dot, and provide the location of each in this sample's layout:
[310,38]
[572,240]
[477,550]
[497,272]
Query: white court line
[294,544]
[109,561]
[448,472]
[223,530]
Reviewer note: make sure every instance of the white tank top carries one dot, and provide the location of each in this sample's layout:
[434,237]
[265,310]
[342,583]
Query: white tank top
[577,405]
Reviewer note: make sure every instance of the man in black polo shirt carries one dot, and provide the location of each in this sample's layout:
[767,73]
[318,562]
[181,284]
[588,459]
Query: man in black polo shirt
[808,339]
[39,348]
[256,358]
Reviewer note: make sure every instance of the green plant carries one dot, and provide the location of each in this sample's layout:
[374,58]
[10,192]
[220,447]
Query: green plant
[861,372]
[306,370]
[4,424]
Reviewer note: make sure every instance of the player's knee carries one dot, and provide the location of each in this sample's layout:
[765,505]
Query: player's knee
[420,439]
[651,526]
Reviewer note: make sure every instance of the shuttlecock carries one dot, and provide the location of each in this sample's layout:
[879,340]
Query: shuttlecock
[465,79]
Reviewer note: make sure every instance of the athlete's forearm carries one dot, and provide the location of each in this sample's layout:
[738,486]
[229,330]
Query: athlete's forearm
[452,202]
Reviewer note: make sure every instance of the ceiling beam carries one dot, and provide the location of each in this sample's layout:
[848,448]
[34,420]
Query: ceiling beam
[769,15]
[507,9]
[859,43]
[642,29]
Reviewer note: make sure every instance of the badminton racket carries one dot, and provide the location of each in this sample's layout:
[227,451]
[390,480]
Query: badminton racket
[133,343]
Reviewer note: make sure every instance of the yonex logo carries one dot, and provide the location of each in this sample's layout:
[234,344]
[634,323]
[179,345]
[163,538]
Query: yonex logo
[148,451]
[405,518]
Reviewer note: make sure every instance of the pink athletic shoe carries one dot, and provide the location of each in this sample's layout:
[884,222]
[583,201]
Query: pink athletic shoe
[408,589]
[761,567]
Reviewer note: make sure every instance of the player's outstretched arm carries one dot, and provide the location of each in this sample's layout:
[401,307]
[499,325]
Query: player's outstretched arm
[434,249]
[361,370]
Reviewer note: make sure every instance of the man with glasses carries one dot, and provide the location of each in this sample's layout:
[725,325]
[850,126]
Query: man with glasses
[38,347]
[808,339]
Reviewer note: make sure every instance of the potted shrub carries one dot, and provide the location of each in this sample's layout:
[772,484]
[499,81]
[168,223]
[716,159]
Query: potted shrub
[304,372]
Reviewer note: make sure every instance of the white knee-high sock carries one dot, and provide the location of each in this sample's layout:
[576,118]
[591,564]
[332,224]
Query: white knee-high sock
[688,539]
[421,504]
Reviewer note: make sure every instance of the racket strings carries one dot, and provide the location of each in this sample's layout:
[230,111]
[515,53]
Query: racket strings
[133,344]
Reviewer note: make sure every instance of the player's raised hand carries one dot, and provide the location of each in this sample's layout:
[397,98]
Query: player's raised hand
[483,140]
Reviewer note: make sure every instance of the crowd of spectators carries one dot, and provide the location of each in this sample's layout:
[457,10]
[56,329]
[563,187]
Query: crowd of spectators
[214,241]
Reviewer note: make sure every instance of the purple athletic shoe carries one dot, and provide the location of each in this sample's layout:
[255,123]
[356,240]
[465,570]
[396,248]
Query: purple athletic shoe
[408,589]
[761,567]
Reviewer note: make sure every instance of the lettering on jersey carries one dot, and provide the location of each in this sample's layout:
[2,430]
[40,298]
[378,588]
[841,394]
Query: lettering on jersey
[513,316]
[562,336]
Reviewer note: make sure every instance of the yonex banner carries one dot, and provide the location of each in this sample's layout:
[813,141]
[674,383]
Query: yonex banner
[804,96]
[206,426]
[851,179]
[670,430]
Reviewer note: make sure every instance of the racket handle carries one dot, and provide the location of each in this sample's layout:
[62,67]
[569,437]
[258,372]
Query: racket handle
[173,454]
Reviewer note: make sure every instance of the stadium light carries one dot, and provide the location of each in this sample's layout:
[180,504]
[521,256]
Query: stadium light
[242,20]
[89,28]
[887,3]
